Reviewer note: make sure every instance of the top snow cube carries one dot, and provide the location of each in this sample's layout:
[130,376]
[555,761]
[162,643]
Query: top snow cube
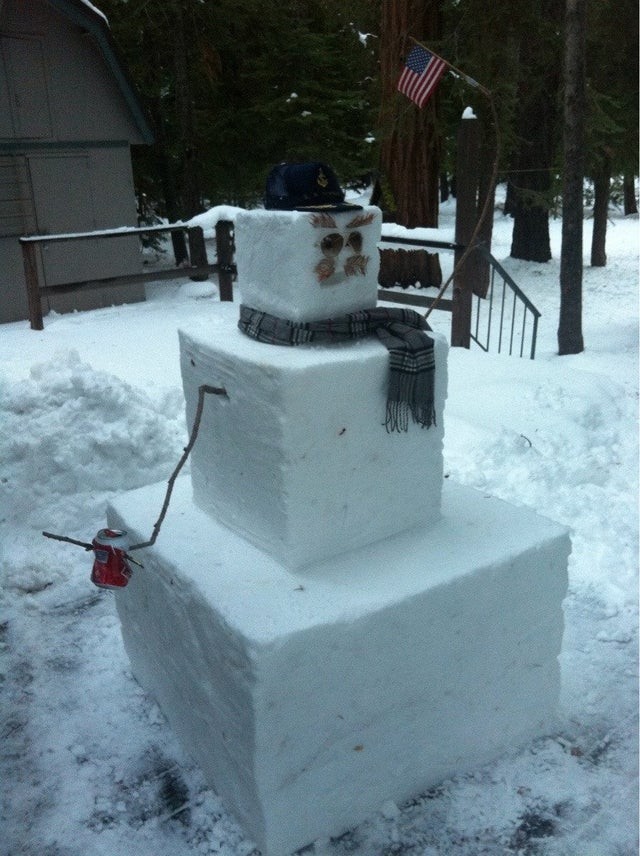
[308,265]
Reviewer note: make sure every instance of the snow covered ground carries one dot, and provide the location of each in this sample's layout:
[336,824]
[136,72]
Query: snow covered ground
[92,406]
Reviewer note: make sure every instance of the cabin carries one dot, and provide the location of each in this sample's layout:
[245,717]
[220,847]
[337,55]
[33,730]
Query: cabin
[69,113]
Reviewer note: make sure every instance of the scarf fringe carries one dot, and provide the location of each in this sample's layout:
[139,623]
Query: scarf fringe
[410,394]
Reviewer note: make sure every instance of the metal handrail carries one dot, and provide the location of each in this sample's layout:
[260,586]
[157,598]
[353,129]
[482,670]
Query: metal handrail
[507,313]
[528,307]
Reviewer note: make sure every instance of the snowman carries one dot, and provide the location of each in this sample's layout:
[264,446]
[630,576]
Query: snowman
[319,634]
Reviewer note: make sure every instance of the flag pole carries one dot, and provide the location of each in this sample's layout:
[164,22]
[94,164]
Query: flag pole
[492,182]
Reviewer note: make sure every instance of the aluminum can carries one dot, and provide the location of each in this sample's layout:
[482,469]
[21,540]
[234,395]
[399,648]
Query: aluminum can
[111,570]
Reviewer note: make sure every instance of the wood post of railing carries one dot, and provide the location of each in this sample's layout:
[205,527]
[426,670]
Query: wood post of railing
[466,218]
[179,244]
[30,262]
[197,252]
[224,243]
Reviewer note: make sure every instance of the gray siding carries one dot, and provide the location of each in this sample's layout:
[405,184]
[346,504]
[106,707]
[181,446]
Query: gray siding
[65,166]
[26,88]
[59,85]
[17,216]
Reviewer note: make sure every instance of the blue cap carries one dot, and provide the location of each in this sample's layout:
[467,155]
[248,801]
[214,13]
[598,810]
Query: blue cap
[305,187]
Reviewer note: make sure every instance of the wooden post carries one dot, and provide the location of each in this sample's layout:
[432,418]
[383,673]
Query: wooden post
[30,262]
[197,252]
[467,169]
[224,243]
[179,247]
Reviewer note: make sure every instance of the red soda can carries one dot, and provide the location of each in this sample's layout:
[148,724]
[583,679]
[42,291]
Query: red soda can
[111,569]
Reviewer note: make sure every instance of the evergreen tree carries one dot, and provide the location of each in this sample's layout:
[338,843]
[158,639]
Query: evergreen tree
[494,44]
[536,125]
[234,87]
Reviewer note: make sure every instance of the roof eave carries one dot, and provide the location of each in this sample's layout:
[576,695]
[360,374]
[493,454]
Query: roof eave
[91,20]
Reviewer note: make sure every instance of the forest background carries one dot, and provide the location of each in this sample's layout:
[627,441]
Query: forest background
[234,86]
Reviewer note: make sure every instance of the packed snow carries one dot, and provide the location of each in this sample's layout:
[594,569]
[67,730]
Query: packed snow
[92,407]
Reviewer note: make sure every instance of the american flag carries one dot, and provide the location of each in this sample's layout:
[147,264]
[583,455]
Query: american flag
[421,74]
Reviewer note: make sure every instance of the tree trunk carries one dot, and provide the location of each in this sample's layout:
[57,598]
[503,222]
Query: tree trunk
[629,190]
[410,148]
[570,339]
[602,189]
[530,236]
[536,124]
[407,268]
[167,180]
[509,199]
[530,184]
[444,187]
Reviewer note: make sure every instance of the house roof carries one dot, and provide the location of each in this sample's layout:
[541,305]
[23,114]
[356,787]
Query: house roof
[87,16]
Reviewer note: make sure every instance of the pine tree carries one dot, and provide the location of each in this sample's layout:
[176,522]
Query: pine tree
[493,43]
[234,87]
[536,127]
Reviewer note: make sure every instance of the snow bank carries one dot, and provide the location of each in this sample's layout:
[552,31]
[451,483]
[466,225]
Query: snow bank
[70,429]
[69,435]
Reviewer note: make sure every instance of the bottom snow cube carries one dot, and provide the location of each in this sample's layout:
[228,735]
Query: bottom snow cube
[311,698]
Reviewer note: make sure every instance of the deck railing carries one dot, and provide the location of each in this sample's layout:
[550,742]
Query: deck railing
[194,266]
[505,318]
[515,329]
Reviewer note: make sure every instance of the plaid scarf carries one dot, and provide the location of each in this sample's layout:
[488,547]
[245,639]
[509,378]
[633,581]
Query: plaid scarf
[401,331]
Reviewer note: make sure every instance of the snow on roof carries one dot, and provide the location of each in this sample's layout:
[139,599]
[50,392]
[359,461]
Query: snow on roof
[95,9]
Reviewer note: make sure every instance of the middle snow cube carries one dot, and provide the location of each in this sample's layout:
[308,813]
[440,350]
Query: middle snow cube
[296,457]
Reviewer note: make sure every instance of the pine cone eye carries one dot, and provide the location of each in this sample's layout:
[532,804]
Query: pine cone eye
[331,245]
[355,241]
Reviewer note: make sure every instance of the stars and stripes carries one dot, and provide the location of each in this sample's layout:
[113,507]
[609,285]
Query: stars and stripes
[421,74]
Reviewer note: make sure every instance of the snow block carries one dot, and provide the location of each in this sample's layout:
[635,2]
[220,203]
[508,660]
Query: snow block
[308,266]
[309,699]
[297,458]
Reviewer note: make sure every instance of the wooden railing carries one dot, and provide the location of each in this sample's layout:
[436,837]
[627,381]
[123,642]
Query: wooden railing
[505,303]
[197,265]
